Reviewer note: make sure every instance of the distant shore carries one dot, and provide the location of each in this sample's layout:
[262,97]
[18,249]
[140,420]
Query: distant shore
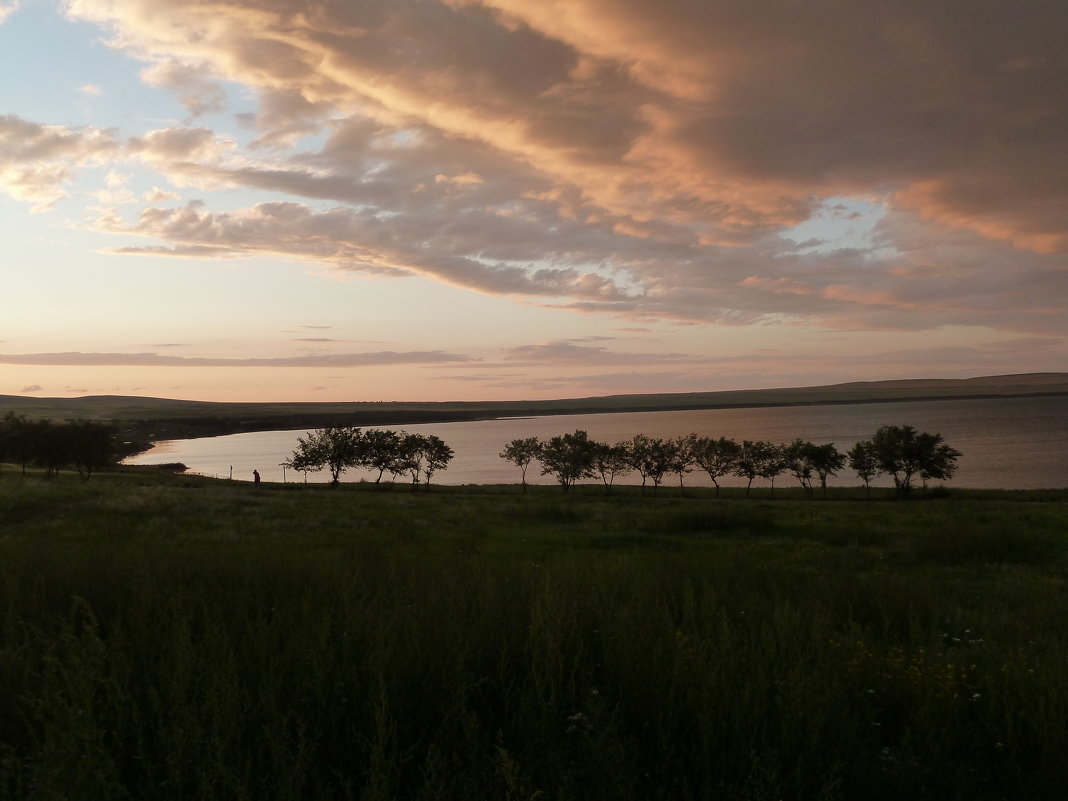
[143,421]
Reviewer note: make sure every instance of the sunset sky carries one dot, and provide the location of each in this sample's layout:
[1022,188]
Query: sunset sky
[505,199]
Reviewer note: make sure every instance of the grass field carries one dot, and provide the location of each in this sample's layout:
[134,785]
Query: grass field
[170,637]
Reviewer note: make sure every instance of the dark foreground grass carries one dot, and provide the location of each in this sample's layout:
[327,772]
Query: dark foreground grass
[186,639]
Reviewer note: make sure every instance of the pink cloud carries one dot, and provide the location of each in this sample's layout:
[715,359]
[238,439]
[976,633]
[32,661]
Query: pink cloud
[612,156]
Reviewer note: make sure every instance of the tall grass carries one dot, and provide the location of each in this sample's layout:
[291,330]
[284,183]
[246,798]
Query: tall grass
[198,640]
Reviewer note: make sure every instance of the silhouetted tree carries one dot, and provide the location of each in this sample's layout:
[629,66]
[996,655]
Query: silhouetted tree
[652,458]
[937,459]
[680,458]
[798,456]
[759,458]
[521,452]
[50,449]
[827,460]
[381,451]
[335,448]
[863,461]
[569,457]
[807,460]
[90,446]
[610,461]
[903,453]
[717,457]
[16,442]
[772,462]
[82,444]
[410,456]
[436,456]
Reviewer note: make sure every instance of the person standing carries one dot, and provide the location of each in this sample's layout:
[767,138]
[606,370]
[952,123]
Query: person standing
[256,477]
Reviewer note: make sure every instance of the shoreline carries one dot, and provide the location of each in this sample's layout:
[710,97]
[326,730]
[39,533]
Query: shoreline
[207,428]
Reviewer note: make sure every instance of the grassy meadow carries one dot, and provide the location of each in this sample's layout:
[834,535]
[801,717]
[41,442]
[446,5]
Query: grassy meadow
[172,637]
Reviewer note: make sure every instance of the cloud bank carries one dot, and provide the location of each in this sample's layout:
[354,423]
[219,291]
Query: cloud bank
[649,160]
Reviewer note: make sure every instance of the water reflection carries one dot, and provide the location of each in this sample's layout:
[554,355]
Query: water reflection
[1012,443]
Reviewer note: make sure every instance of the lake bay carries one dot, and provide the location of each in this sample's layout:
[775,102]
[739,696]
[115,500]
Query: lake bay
[1008,443]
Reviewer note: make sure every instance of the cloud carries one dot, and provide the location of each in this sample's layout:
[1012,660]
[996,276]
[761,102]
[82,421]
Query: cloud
[75,359]
[646,160]
[179,145]
[353,240]
[37,161]
[192,84]
[674,110]
[115,179]
[157,195]
[90,89]
[7,7]
[31,388]
[567,352]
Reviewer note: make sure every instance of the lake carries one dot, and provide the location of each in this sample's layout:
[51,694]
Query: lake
[1008,443]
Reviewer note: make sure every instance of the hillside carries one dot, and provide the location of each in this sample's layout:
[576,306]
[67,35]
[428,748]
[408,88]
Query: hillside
[144,419]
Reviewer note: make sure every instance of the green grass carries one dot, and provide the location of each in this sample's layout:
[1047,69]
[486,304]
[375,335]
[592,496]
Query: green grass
[173,637]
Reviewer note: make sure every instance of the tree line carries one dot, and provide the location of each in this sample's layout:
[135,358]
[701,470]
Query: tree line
[80,444]
[900,452]
[338,448]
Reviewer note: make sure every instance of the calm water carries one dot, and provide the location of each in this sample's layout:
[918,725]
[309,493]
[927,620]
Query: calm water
[1014,443]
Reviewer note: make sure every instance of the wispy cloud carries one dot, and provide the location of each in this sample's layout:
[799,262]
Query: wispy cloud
[569,352]
[74,359]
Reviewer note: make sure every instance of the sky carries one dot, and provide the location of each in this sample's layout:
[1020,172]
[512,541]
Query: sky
[339,200]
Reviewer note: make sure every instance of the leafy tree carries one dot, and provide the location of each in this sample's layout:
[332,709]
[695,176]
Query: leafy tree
[863,460]
[827,460]
[48,447]
[903,453]
[680,458]
[410,456]
[717,457]
[638,454]
[381,451]
[569,457]
[807,460]
[771,461]
[83,444]
[610,461]
[16,442]
[937,459]
[760,458]
[652,458]
[90,446]
[798,456]
[436,456]
[897,455]
[336,448]
[521,452]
